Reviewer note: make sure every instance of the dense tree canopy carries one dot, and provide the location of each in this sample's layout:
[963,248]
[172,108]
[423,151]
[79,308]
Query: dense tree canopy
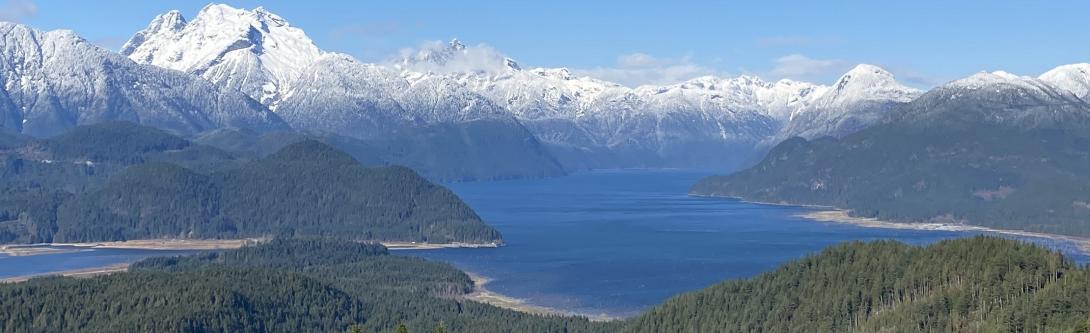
[285,285]
[307,188]
[981,284]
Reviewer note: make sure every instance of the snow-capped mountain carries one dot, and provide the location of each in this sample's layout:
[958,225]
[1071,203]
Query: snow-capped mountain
[861,98]
[341,95]
[1003,99]
[1074,78]
[585,122]
[56,80]
[583,114]
[254,51]
[434,124]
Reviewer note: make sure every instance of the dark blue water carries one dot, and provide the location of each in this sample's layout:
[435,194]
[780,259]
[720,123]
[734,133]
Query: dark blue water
[617,242]
[13,266]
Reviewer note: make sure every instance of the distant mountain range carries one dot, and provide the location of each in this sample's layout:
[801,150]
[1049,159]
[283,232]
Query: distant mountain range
[550,118]
[994,149]
[449,110]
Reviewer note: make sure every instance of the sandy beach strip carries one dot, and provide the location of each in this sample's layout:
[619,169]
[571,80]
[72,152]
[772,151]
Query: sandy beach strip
[198,244]
[141,244]
[433,246]
[85,272]
[481,294]
[843,216]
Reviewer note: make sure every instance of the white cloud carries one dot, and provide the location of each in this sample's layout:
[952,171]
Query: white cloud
[17,10]
[640,69]
[800,67]
[443,57]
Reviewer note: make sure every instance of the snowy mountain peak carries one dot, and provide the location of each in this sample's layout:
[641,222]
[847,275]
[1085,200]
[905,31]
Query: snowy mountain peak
[1074,78]
[255,51]
[559,73]
[865,75]
[996,79]
[867,82]
[168,23]
[455,57]
[55,80]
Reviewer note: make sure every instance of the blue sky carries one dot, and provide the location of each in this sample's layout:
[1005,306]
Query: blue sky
[923,42]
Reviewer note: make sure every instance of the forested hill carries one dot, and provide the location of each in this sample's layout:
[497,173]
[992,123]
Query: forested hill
[119,181]
[86,155]
[285,285]
[967,285]
[1008,155]
[307,188]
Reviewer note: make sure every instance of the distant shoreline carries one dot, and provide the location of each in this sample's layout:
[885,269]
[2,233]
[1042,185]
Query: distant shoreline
[199,244]
[18,250]
[839,215]
[84,272]
[843,216]
[140,244]
[481,294]
[435,246]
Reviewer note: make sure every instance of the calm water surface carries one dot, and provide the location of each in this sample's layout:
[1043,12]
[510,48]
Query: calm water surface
[13,266]
[618,242]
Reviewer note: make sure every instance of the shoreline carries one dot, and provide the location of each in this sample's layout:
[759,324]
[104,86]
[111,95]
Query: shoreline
[138,244]
[481,294]
[831,214]
[397,246]
[22,250]
[843,216]
[75,273]
[199,244]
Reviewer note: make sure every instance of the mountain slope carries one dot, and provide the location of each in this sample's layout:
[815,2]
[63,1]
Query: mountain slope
[1074,78]
[861,98]
[994,149]
[86,155]
[56,80]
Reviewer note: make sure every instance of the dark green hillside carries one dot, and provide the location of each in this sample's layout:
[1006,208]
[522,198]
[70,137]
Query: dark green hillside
[215,299]
[307,188]
[145,201]
[970,285]
[84,156]
[293,285]
[112,142]
[1010,160]
[312,188]
[475,150]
